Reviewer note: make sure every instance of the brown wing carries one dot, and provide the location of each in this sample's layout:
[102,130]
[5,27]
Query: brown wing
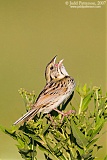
[50,92]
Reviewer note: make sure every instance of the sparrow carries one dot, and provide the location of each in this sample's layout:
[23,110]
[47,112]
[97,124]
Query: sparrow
[58,88]
[57,73]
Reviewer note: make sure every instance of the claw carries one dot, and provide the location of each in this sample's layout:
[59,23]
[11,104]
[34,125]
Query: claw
[64,114]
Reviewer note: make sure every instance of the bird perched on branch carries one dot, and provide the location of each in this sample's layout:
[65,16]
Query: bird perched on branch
[59,86]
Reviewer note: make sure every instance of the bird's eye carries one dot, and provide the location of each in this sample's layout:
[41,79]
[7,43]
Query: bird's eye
[51,68]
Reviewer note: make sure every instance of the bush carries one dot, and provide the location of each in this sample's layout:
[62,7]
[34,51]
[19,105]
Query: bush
[71,138]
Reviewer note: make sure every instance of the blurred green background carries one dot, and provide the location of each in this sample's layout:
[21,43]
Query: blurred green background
[31,34]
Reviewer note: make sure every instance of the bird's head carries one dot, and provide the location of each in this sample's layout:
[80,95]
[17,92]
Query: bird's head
[55,71]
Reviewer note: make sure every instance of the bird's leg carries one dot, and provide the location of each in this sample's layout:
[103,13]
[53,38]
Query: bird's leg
[51,119]
[64,114]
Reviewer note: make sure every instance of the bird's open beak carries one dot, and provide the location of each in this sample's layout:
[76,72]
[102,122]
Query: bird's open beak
[60,62]
[54,59]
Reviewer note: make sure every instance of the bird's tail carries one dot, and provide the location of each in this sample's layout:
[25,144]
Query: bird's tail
[28,116]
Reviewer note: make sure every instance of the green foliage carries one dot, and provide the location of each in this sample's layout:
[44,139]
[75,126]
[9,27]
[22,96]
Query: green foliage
[74,137]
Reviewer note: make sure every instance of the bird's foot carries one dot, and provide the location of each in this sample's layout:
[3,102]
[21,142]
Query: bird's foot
[64,114]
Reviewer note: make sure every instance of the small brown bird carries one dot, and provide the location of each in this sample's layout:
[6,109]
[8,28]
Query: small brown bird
[58,88]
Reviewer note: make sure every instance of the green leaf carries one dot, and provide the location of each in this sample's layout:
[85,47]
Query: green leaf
[44,149]
[58,135]
[20,142]
[45,129]
[82,90]
[86,101]
[61,144]
[49,145]
[92,142]
[98,127]
[37,138]
[80,137]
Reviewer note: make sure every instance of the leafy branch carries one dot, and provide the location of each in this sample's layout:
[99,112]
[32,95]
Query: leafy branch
[73,138]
